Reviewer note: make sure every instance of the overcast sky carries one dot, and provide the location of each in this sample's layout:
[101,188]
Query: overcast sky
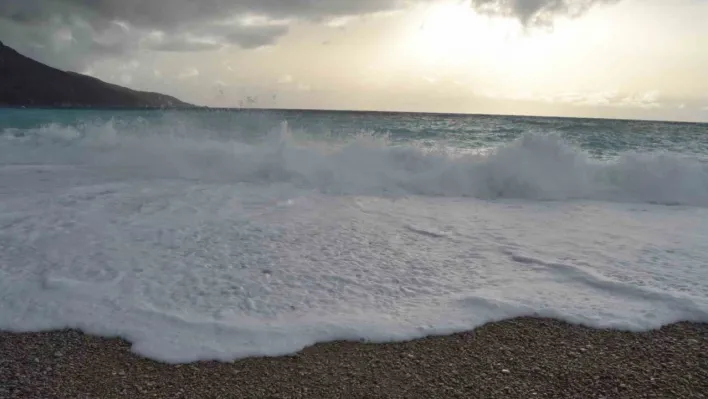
[604,58]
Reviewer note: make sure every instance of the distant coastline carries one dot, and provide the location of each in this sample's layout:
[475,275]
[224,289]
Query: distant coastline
[27,83]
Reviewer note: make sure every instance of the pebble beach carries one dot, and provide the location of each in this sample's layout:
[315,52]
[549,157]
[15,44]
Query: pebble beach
[519,358]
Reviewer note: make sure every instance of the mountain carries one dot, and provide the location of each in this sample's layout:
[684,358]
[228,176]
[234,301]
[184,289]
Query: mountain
[26,82]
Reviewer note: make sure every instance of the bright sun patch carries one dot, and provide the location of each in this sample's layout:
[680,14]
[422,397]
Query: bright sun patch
[450,39]
[449,28]
[453,32]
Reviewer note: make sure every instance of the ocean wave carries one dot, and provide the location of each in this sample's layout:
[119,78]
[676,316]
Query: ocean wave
[534,166]
[196,246]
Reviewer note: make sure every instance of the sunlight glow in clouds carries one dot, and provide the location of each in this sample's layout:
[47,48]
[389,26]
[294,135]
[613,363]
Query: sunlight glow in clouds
[454,40]
[453,31]
[614,58]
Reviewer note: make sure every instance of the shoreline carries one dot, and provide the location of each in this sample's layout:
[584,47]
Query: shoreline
[517,358]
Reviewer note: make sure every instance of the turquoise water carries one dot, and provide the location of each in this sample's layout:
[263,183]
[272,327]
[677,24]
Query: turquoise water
[221,235]
[599,137]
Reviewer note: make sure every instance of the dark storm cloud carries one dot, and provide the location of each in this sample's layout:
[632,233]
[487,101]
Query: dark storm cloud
[25,12]
[214,37]
[250,37]
[536,12]
[72,33]
[67,42]
[31,25]
[179,44]
[173,14]
[168,14]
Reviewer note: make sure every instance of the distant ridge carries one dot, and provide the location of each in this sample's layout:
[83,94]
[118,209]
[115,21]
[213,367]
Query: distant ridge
[26,82]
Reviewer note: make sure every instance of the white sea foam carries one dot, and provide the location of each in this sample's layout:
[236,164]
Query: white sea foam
[539,167]
[196,247]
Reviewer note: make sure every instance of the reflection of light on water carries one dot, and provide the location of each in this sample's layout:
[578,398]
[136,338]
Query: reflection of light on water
[454,150]
[483,151]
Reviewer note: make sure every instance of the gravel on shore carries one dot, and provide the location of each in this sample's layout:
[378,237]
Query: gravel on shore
[519,358]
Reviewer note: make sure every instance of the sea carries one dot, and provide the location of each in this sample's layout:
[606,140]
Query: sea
[223,234]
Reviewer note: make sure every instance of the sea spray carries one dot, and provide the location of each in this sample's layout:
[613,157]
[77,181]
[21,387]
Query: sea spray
[194,242]
[534,166]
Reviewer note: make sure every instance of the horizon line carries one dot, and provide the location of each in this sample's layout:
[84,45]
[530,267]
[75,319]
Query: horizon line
[349,111]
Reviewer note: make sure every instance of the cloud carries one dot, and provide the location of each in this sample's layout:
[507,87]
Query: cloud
[159,41]
[31,12]
[70,34]
[650,99]
[536,12]
[612,98]
[188,73]
[340,22]
[601,98]
[68,42]
[171,14]
[250,37]
[285,79]
[303,87]
[291,83]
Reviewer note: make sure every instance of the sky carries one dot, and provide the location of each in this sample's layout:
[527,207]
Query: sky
[644,59]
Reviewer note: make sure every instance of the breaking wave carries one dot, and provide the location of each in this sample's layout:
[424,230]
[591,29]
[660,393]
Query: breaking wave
[535,166]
